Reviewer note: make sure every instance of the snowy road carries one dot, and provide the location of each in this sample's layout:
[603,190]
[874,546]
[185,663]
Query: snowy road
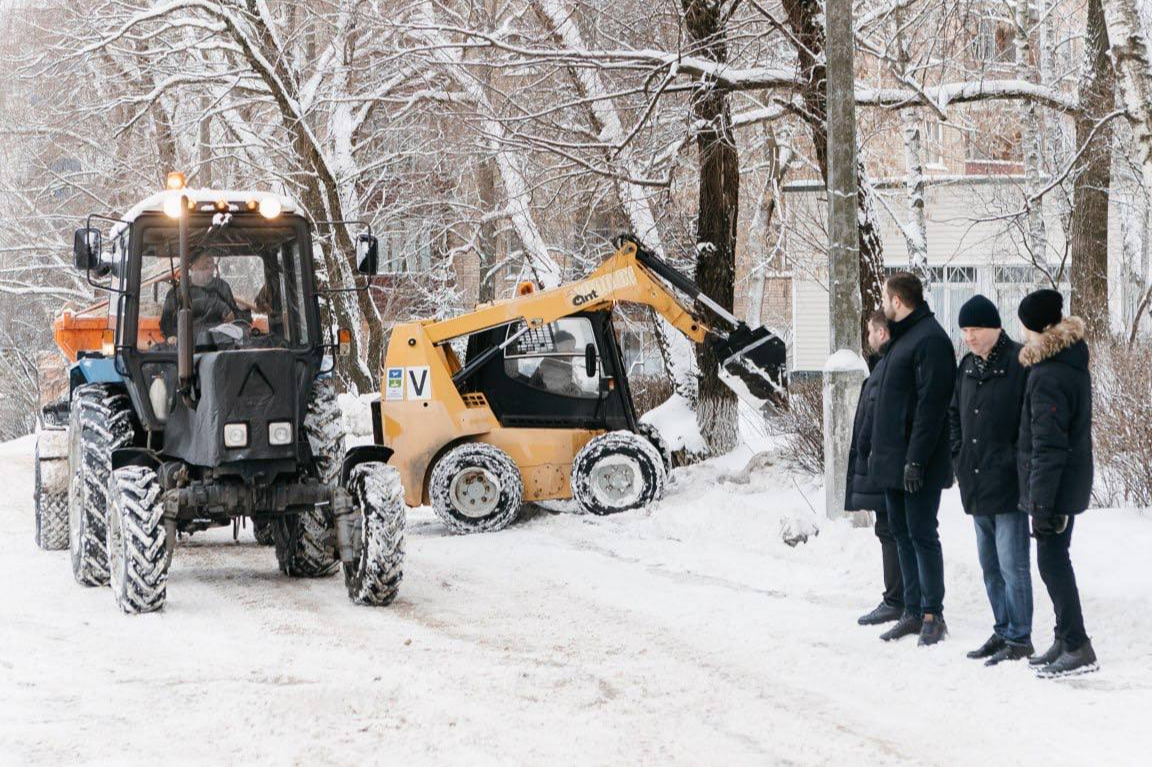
[688,635]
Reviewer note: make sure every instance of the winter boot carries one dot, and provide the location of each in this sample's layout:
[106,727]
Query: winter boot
[908,625]
[1050,655]
[1071,663]
[933,630]
[1010,652]
[994,645]
[884,613]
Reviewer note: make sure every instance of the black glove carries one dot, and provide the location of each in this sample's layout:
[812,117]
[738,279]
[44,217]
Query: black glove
[913,478]
[1047,524]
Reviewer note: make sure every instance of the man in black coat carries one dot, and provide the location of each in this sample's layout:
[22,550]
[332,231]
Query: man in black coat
[910,457]
[984,423]
[862,494]
[1055,465]
[212,300]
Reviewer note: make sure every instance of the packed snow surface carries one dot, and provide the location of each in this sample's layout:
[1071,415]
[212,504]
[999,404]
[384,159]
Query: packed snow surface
[685,634]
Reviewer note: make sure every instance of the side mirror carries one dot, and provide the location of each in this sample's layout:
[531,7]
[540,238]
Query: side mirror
[367,255]
[590,367]
[86,247]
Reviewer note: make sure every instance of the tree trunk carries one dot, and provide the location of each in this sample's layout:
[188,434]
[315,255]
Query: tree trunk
[805,17]
[486,245]
[1130,52]
[716,218]
[1089,246]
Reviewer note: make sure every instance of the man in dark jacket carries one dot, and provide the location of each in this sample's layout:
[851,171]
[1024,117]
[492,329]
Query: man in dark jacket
[910,457]
[984,423]
[1055,465]
[862,494]
[212,300]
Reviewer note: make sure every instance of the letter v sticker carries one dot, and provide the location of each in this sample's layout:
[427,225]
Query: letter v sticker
[418,385]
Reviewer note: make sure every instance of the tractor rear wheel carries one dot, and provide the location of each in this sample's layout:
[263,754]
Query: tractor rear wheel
[476,488]
[262,532]
[653,435]
[51,493]
[306,541]
[378,499]
[305,544]
[137,540]
[101,422]
[617,471]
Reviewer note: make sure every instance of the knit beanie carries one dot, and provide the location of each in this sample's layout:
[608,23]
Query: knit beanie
[979,312]
[1041,309]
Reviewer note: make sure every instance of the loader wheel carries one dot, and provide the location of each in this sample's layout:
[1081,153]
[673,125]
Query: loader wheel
[653,435]
[51,497]
[617,471]
[101,422]
[138,557]
[476,488]
[378,498]
[305,544]
[262,532]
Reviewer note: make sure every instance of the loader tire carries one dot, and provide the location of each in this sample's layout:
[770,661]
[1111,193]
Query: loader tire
[51,501]
[101,422]
[378,499]
[618,471]
[262,532]
[137,540]
[476,488]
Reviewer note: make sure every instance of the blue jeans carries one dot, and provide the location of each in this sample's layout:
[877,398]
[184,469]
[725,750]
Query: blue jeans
[1004,548]
[912,520]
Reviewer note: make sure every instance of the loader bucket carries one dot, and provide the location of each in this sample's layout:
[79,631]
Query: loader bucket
[753,363]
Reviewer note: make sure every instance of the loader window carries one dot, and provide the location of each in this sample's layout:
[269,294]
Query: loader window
[551,358]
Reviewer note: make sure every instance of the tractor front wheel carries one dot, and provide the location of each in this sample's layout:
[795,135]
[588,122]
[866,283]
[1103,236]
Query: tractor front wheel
[617,471]
[476,488]
[138,557]
[378,501]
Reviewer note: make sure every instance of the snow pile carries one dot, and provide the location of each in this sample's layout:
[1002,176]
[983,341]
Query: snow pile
[845,360]
[357,416]
[676,423]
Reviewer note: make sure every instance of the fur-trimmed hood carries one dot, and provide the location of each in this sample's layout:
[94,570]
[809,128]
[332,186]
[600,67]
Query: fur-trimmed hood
[1065,339]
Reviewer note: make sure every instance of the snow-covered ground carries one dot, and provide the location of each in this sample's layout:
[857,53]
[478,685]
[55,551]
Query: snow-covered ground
[689,634]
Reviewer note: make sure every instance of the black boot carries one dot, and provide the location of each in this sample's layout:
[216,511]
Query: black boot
[1010,652]
[933,630]
[994,645]
[884,613]
[908,625]
[1050,655]
[1071,662]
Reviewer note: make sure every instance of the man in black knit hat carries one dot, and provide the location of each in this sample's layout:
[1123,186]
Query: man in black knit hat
[1055,465]
[984,424]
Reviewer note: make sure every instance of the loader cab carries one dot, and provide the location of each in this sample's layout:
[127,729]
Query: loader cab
[566,374]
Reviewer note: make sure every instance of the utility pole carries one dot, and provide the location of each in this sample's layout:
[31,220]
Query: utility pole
[845,369]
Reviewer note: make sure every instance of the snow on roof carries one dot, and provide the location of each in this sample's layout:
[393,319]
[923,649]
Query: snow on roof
[155,203]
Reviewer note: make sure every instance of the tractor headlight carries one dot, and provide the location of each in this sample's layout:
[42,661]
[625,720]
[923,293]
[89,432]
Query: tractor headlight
[235,435]
[270,207]
[174,205]
[280,433]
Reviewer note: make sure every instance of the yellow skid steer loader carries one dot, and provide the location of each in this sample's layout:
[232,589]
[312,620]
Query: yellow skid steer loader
[539,408]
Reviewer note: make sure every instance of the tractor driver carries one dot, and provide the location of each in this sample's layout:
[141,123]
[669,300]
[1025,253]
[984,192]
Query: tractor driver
[212,300]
